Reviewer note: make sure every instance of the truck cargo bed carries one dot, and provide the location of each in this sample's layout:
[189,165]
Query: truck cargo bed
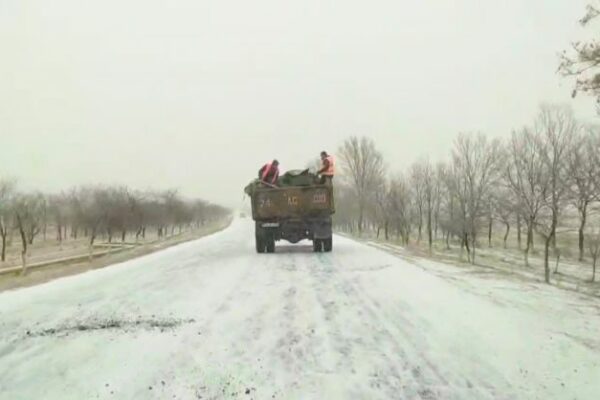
[292,202]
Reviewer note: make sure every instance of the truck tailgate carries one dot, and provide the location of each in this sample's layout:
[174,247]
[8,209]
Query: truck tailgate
[290,202]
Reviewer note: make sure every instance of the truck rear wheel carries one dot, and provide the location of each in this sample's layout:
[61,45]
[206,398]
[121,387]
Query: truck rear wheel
[317,245]
[328,244]
[270,245]
[260,244]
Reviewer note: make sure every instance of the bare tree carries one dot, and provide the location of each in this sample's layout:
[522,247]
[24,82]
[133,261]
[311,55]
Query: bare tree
[452,219]
[7,192]
[363,166]
[556,129]
[200,211]
[399,206]
[95,206]
[504,208]
[417,183]
[584,172]
[379,208]
[345,207]
[27,216]
[582,61]
[424,183]
[36,213]
[525,178]
[58,208]
[439,193]
[475,163]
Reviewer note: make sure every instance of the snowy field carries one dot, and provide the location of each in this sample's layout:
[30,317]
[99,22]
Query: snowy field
[211,319]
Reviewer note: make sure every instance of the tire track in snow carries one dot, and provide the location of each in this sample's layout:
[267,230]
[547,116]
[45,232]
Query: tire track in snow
[418,378]
[381,372]
[300,348]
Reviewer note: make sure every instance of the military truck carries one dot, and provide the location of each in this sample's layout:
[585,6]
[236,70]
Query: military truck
[298,208]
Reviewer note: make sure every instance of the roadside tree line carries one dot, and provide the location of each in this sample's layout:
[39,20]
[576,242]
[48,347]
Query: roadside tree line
[112,213]
[538,181]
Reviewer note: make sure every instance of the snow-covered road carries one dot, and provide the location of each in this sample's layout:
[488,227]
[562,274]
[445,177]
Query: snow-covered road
[211,319]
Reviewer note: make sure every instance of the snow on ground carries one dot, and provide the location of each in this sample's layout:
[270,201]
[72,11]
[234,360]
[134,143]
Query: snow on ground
[211,319]
[571,274]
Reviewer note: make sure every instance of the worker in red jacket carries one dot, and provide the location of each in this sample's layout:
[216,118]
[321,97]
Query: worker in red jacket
[269,172]
[328,169]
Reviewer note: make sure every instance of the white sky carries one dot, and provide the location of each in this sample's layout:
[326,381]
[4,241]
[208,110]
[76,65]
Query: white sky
[199,94]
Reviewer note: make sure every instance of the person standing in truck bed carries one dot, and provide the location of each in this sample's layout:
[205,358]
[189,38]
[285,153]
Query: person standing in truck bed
[269,172]
[328,169]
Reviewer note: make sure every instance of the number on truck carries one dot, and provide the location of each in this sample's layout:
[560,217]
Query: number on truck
[292,200]
[265,202]
[320,198]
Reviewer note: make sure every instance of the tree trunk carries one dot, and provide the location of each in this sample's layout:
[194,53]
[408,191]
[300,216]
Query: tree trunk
[519,230]
[594,269]
[557,261]
[361,214]
[473,246]
[466,245]
[583,213]
[490,223]
[386,229]
[31,235]
[448,240]
[529,241]
[506,233]
[420,227]
[123,234]
[91,246]
[360,219]
[3,246]
[547,243]
[3,233]
[530,235]
[429,228]
[24,244]
[24,261]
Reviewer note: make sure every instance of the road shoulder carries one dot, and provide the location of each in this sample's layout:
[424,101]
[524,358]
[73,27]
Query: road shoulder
[58,270]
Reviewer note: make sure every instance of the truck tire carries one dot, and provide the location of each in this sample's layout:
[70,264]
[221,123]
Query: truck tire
[270,244]
[328,244]
[317,245]
[260,244]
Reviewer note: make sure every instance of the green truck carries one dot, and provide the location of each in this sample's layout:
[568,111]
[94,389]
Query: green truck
[297,208]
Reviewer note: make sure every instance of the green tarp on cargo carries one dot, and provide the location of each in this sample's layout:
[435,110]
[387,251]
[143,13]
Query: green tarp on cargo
[295,177]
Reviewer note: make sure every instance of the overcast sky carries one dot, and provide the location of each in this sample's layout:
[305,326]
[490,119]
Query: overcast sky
[199,94]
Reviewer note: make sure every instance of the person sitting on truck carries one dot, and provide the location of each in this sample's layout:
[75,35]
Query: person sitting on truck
[269,172]
[327,171]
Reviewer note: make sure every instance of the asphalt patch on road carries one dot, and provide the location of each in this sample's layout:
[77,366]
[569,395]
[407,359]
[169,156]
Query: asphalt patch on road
[113,324]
